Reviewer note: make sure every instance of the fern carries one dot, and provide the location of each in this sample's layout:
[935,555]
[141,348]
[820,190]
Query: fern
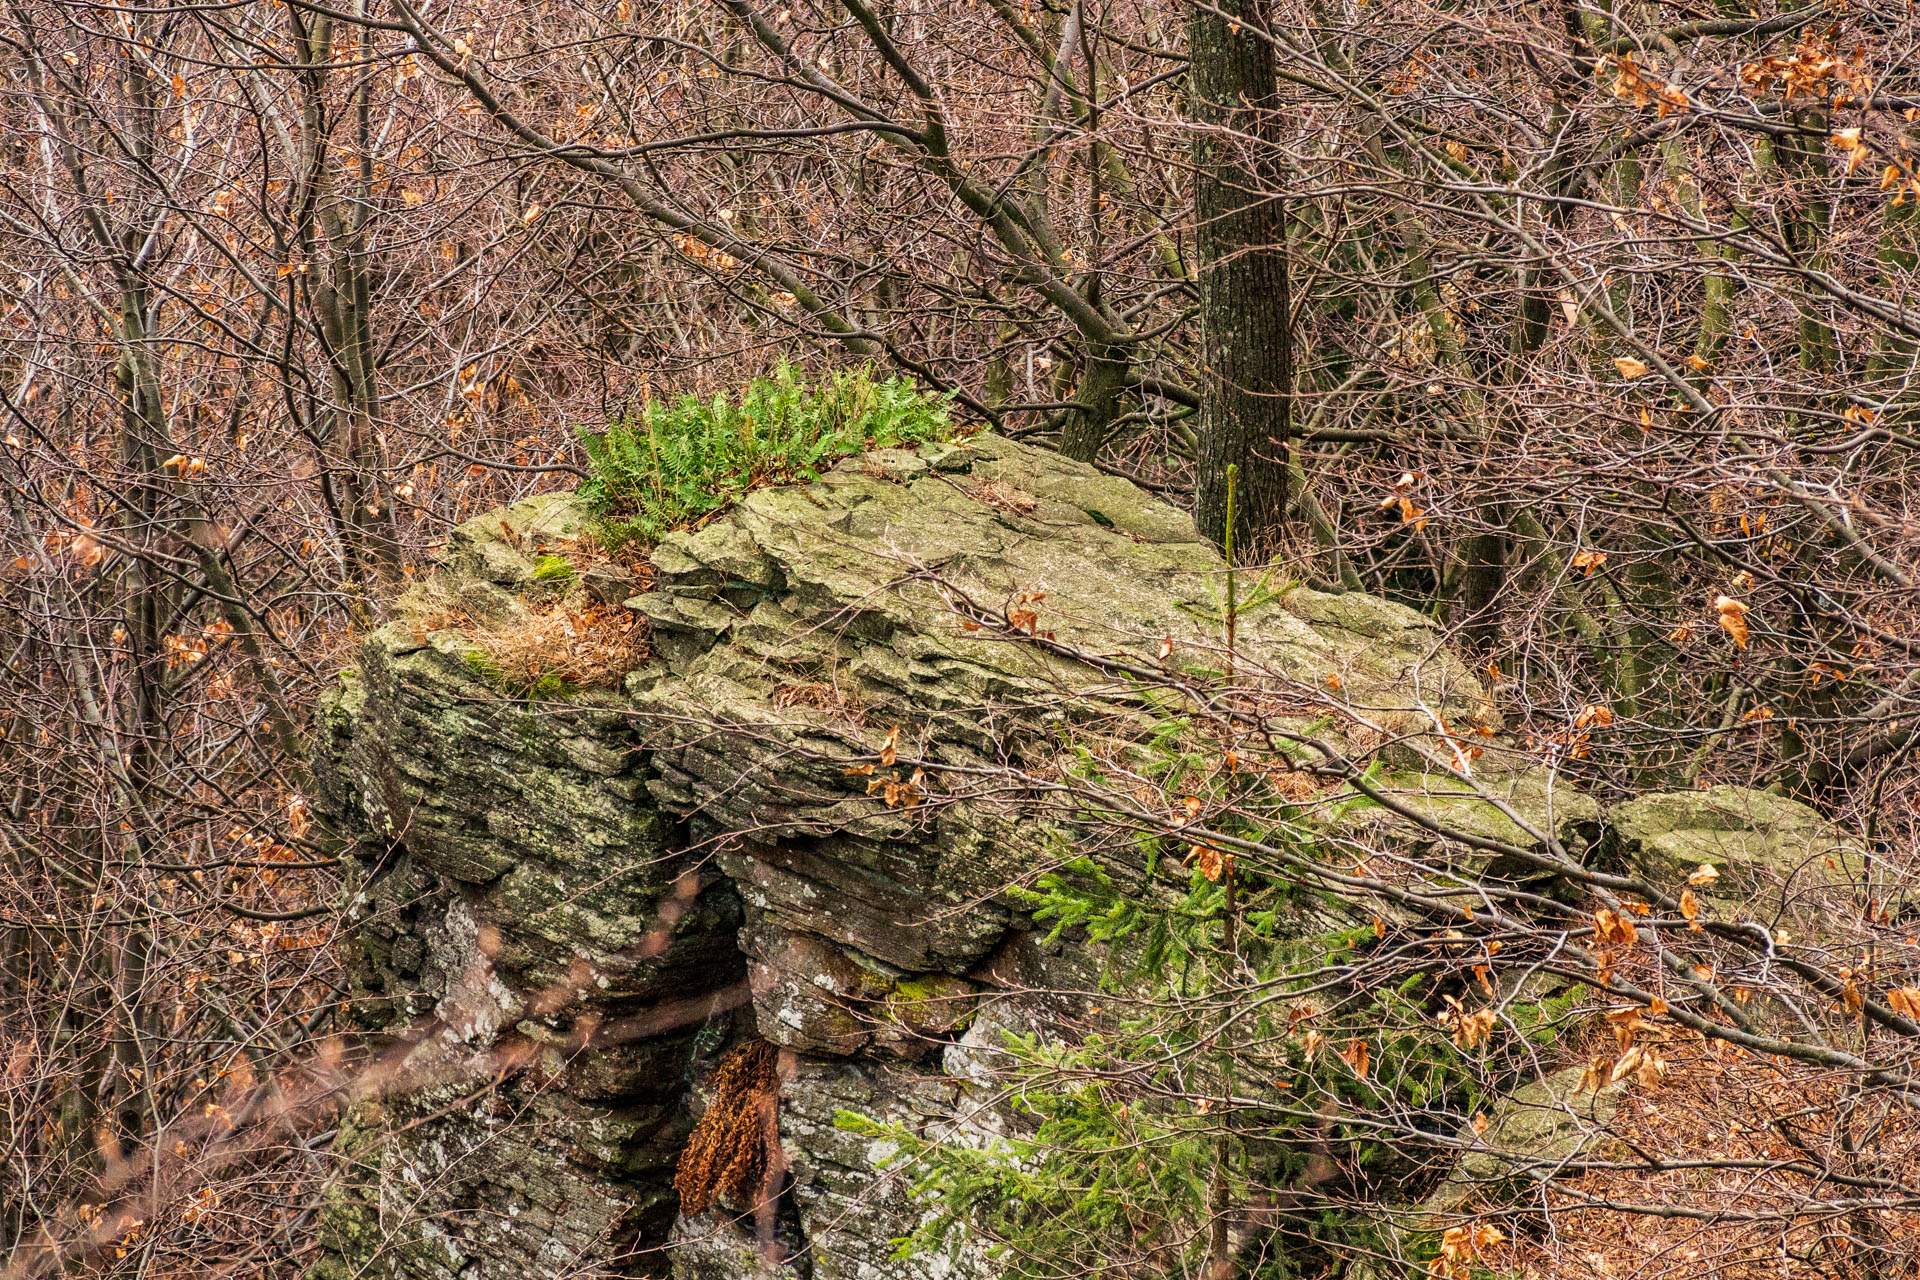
[671,464]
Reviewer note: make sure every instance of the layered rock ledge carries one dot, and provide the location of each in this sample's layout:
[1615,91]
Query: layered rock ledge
[574,904]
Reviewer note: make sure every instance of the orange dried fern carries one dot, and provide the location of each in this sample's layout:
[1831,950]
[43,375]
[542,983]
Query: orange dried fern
[731,1155]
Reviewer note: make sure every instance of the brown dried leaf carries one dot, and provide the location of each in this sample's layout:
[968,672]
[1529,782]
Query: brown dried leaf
[1733,618]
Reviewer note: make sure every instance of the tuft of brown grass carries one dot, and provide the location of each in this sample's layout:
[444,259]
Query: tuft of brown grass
[1008,498]
[731,1155]
[819,697]
[590,648]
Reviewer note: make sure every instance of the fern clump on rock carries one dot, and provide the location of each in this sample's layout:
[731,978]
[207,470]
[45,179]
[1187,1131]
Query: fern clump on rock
[674,462]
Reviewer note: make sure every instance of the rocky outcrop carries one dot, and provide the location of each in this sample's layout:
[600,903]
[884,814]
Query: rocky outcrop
[790,825]
[1548,1122]
[1762,847]
[1531,1135]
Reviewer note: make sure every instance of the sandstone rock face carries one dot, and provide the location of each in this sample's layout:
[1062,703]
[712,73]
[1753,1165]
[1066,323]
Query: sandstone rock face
[1753,838]
[520,879]
[1531,1133]
[571,908]
[1552,1120]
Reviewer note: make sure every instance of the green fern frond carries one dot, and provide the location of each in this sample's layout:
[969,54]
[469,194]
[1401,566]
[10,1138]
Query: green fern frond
[672,463]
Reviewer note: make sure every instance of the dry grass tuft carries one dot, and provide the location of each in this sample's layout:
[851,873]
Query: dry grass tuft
[1013,501]
[563,650]
[819,697]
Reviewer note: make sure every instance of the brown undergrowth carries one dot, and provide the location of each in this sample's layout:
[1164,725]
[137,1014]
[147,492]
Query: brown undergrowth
[1736,1166]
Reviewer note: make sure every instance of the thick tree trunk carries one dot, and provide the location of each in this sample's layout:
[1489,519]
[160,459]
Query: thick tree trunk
[1241,243]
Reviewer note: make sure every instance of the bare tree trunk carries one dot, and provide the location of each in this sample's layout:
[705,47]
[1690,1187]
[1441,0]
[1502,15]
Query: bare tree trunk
[1244,288]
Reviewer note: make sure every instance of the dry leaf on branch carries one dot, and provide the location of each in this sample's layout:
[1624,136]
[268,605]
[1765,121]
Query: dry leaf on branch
[1733,618]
